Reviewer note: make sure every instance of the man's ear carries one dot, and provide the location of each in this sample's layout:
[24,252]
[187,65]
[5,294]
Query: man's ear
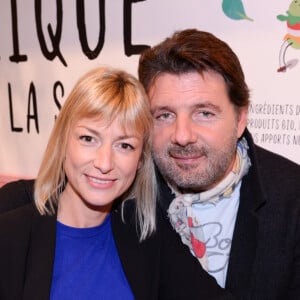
[242,120]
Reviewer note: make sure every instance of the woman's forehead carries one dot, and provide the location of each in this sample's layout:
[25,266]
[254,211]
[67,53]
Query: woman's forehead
[125,126]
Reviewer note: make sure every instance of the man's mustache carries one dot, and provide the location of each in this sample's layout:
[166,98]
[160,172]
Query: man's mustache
[187,151]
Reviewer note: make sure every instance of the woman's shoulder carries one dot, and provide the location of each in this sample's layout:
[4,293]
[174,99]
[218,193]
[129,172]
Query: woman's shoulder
[16,194]
[17,221]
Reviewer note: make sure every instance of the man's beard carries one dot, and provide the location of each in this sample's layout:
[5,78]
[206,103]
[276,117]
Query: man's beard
[191,178]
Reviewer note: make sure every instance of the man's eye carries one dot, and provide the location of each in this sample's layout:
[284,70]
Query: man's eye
[163,116]
[206,114]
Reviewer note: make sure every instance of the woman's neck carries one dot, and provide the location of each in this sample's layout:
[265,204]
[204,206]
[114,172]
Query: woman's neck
[75,212]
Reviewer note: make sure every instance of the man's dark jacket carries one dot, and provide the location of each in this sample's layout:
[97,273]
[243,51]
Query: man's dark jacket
[265,253]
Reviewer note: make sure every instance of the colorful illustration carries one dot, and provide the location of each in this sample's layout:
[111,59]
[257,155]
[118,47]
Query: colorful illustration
[292,38]
[234,9]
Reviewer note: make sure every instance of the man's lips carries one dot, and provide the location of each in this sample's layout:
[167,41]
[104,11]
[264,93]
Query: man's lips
[186,159]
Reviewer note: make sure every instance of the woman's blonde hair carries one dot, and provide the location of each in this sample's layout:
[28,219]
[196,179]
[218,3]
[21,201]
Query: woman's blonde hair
[105,94]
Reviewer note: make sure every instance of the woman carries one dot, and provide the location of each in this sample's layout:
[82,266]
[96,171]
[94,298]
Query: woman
[83,238]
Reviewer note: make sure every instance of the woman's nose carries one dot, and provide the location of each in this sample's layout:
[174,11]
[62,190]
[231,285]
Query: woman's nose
[103,160]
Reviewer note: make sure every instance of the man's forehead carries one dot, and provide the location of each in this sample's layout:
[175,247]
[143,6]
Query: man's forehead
[187,89]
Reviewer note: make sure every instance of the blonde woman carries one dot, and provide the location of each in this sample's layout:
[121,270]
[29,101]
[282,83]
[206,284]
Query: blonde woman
[92,231]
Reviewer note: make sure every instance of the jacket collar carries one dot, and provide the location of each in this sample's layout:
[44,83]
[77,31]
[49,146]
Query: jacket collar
[132,252]
[245,236]
[253,178]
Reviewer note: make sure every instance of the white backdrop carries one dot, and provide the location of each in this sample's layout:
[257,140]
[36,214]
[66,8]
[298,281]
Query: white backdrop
[39,64]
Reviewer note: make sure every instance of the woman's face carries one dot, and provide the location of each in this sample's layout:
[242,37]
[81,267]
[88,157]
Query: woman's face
[100,164]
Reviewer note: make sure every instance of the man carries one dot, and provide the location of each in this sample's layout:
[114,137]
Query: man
[235,205]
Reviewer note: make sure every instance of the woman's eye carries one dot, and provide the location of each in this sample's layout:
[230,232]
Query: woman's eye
[126,146]
[86,138]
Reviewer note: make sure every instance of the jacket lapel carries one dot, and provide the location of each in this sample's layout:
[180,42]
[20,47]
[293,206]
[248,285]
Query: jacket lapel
[165,196]
[139,259]
[244,243]
[40,257]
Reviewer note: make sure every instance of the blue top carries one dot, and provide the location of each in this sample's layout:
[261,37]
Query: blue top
[87,265]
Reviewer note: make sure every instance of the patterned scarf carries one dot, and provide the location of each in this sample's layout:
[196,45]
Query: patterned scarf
[181,212]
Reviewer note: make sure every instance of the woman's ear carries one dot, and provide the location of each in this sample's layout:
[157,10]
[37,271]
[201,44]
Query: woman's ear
[140,163]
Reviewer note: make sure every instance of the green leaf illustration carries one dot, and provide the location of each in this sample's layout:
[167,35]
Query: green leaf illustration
[234,9]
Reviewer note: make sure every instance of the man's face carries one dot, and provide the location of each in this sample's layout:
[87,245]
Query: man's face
[196,128]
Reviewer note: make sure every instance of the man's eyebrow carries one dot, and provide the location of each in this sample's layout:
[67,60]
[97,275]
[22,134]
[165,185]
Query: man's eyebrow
[159,108]
[208,105]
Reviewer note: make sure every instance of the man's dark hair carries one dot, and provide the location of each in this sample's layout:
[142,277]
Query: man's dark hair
[193,50]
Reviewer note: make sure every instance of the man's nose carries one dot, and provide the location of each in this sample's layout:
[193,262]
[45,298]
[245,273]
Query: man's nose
[184,131]
[104,159]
